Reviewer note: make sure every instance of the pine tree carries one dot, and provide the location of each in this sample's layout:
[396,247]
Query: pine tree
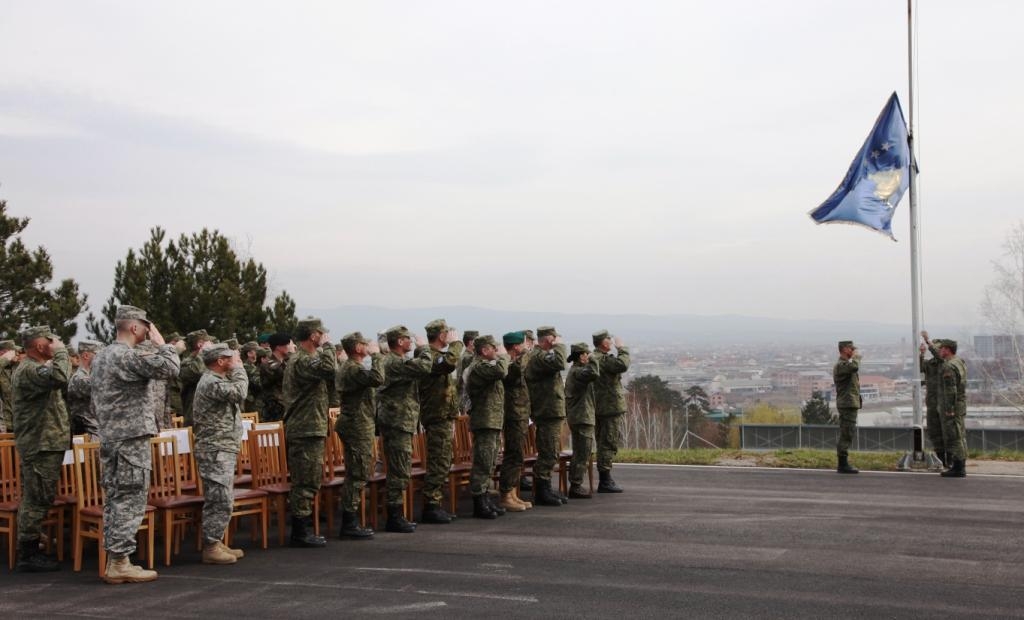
[281,318]
[816,411]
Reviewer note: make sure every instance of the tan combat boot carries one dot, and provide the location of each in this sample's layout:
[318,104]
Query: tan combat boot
[522,501]
[121,570]
[238,553]
[509,503]
[217,553]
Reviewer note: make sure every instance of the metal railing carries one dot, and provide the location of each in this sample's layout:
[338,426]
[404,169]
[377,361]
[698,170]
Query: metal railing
[866,438]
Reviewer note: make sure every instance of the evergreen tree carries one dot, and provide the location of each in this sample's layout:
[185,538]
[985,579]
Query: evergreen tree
[816,411]
[281,317]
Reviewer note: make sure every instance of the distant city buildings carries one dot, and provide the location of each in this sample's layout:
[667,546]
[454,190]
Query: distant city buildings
[997,347]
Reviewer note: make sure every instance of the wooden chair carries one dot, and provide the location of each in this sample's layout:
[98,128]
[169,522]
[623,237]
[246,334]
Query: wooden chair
[247,503]
[417,471]
[89,513]
[175,508]
[462,461]
[243,468]
[178,421]
[10,500]
[334,476]
[376,486]
[270,474]
[564,459]
[253,416]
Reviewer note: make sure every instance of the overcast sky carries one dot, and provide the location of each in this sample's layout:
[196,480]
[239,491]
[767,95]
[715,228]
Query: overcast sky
[649,157]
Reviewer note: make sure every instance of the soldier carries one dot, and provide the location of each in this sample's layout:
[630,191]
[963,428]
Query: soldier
[7,355]
[216,411]
[439,404]
[847,380]
[580,409]
[399,410]
[192,368]
[83,416]
[355,426]
[544,368]
[610,399]
[529,341]
[121,395]
[486,416]
[464,361]
[932,369]
[953,408]
[43,436]
[516,425]
[272,377]
[307,379]
[173,384]
[252,373]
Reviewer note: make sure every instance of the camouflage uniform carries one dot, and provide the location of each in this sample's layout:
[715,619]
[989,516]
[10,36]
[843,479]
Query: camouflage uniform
[83,416]
[272,384]
[460,371]
[932,369]
[306,379]
[952,407]
[439,405]
[580,407]
[486,416]
[6,395]
[43,435]
[547,404]
[399,409]
[517,425]
[356,424]
[848,401]
[192,369]
[610,402]
[216,411]
[253,400]
[122,397]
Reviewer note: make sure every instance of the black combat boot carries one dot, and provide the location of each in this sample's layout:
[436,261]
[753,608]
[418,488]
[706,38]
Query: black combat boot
[957,470]
[433,513]
[576,492]
[495,508]
[943,458]
[607,485]
[302,534]
[32,560]
[482,508]
[525,484]
[397,522]
[845,467]
[350,527]
[543,495]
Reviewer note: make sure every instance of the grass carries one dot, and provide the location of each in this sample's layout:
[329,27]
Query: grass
[804,459]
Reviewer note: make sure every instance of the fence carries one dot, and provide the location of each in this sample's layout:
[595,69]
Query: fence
[867,438]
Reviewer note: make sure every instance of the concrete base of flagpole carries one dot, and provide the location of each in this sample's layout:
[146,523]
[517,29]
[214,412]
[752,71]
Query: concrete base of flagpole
[918,459]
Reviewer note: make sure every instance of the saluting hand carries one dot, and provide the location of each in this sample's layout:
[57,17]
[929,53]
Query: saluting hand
[155,336]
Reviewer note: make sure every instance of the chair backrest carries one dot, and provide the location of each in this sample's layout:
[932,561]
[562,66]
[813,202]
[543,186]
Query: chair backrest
[177,421]
[244,463]
[6,436]
[530,445]
[419,450]
[88,489]
[10,472]
[269,459]
[188,472]
[164,477]
[332,415]
[253,416]
[334,456]
[462,443]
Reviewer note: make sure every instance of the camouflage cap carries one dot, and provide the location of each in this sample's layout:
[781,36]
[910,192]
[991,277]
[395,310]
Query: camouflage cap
[232,343]
[512,338]
[19,349]
[396,332]
[547,330]
[38,331]
[577,350]
[261,353]
[481,341]
[846,343]
[131,313]
[194,338]
[354,338]
[937,342]
[435,327]
[469,335]
[339,347]
[528,334]
[252,345]
[218,350]
[89,346]
[8,345]
[600,335]
[949,344]
[313,324]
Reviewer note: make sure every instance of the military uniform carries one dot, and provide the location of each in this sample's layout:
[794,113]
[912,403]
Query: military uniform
[486,413]
[439,405]
[6,395]
[952,407]
[580,408]
[517,419]
[610,400]
[464,361]
[848,402]
[79,400]
[932,369]
[253,400]
[547,404]
[356,423]
[272,384]
[43,434]
[192,369]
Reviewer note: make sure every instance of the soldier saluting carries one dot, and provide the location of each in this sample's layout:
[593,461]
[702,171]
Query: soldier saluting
[848,401]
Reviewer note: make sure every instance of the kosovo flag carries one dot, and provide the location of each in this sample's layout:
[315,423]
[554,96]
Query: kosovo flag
[877,178]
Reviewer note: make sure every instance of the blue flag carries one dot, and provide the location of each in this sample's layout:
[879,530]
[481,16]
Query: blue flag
[877,178]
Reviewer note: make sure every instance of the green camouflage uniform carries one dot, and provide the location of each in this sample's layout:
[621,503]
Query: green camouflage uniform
[547,404]
[580,408]
[6,396]
[486,416]
[932,369]
[253,402]
[399,410]
[272,383]
[517,425]
[306,379]
[439,405]
[610,404]
[44,433]
[848,401]
[79,402]
[174,396]
[192,369]
[952,407]
[216,410]
[356,424]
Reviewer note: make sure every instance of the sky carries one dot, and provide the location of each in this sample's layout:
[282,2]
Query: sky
[642,157]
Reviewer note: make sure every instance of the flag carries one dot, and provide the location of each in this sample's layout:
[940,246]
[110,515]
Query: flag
[877,178]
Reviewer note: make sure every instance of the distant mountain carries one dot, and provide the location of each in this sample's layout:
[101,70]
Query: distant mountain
[637,328]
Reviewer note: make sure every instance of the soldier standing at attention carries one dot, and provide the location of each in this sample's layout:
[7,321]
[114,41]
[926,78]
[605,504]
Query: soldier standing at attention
[308,377]
[272,377]
[7,355]
[486,417]
[121,395]
[580,407]
[399,410]
[216,410]
[192,368]
[847,380]
[252,373]
[516,424]
[464,361]
[356,425]
[932,369]
[544,368]
[174,384]
[439,405]
[43,435]
[610,399]
[83,416]
[953,408]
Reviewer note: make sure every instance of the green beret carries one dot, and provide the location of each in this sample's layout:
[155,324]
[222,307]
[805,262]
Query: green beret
[38,331]
[435,327]
[130,313]
[577,350]
[480,341]
[264,337]
[600,335]
[396,332]
[846,343]
[313,324]
[210,354]
[512,338]
[547,330]
[8,345]
[90,346]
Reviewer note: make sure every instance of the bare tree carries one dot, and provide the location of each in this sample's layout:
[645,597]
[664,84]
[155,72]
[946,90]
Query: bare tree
[1002,308]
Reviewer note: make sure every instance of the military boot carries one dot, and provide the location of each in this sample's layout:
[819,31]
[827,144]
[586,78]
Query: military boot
[121,570]
[433,513]
[350,527]
[482,509]
[576,492]
[526,504]
[543,495]
[607,485]
[509,503]
[32,560]
[957,470]
[498,510]
[397,521]
[845,467]
[238,553]
[302,534]
[943,457]
[526,484]
[217,553]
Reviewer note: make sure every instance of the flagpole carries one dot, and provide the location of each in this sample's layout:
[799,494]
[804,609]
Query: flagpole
[915,231]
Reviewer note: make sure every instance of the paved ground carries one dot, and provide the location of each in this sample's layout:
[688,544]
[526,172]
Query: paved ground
[707,542]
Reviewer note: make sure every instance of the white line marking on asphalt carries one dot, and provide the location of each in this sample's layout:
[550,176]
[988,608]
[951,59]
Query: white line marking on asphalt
[805,470]
[401,609]
[431,571]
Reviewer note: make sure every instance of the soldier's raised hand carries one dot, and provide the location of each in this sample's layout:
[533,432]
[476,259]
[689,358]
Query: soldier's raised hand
[420,341]
[156,336]
[618,342]
[924,335]
[922,349]
[56,345]
[373,347]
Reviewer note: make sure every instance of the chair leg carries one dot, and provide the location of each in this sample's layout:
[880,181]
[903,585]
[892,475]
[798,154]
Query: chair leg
[151,534]
[264,519]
